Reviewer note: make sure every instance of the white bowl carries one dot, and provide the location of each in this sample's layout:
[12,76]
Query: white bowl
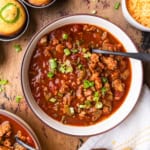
[131,98]
[131,20]
[20,122]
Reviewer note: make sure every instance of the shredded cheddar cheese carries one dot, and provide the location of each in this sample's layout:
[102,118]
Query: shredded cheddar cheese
[140,10]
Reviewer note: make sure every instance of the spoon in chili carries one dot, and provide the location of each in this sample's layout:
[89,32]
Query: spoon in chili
[24,144]
[139,55]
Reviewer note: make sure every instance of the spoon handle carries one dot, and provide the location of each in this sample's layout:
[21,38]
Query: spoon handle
[141,56]
[24,144]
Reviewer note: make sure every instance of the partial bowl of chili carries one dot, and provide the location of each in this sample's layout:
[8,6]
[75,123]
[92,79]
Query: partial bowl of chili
[14,19]
[12,126]
[73,90]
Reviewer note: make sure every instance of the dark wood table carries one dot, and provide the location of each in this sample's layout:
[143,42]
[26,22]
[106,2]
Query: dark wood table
[10,64]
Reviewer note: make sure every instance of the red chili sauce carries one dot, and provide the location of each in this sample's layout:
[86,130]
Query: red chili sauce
[9,128]
[73,85]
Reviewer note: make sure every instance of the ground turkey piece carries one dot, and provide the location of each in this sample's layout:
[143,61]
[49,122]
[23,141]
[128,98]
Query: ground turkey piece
[110,63]
[4,128]
[119,88]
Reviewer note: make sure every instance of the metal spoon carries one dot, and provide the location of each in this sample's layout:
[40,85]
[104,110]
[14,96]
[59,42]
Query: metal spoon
[24,144]
[141,56]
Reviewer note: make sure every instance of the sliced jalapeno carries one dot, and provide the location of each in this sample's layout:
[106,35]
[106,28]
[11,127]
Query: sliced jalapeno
[7,15]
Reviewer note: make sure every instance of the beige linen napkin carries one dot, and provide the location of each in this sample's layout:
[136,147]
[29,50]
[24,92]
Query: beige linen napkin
[132,134]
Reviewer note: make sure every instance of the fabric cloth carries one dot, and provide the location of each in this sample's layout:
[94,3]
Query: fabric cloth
[132,134]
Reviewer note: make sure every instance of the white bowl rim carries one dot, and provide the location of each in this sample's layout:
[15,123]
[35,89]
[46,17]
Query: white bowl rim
[23,124]
[71,128]
[131,20]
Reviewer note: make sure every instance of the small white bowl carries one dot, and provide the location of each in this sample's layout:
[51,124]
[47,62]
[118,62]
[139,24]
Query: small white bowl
[131,20]
[20,122]
[131,98]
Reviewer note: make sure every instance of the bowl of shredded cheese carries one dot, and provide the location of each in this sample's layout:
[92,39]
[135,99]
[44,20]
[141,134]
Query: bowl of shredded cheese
[137,13]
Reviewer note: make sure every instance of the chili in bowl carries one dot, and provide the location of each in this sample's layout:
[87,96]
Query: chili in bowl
[12,126]
[73,90]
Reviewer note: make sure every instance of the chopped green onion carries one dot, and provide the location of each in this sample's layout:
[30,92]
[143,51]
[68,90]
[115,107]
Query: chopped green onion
[60,94]
[79,42]
[50,74]
[87,84]
[18,99]
[117,5]
[69,69]
[84,50]
[53,64]
[103,90]
[62,68]
[87,55]
[65,36]
[18,47]
[96,96]
[66,67]
[87,104]
[99,105]
[71,110]
[1,89]
[82,106]
[67,52]
[74,50]
[104,80]
[53,100]
[80,66]
[3,82]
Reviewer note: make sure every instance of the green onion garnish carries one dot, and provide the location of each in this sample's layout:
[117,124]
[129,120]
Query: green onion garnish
[50,74]
[87,55]
[3,82]
[74,50]
[82,106]
[117,5]
[71,110]
[53,100]
[53,63]
[103,90]
[104,80]
[67,52]
[87,84]
[65,36]
[99,105]
[18,99]
[18,47]
[96,96]
[84,50]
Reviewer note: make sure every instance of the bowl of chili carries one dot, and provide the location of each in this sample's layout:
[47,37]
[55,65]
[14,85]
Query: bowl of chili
[73,90]
[12,126]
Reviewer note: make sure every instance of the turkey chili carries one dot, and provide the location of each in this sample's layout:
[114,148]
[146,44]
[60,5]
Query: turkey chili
[73,85]
[9,129]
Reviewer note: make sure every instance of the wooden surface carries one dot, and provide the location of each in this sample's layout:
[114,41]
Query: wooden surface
[10,64]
